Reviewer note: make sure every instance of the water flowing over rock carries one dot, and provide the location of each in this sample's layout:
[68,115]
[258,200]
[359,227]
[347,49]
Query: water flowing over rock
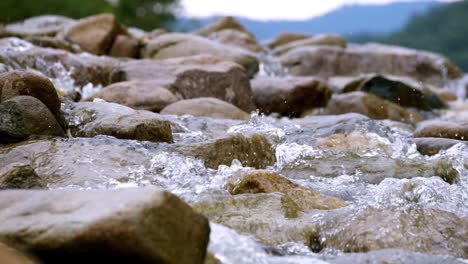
[146,225]
[432,146]
[205,106]
[442,129]
[19,176]
[48,25]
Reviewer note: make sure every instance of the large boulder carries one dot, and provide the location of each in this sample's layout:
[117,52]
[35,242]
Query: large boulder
[285,38]
[442,129]
[94,34]
[24,116]
[371,106]
[193,77]
[174,45]
[205,106]
[316,40]
[251,149]
[145,225]
[236,38]
[268,182]
[226,22]
[289,96]
[48,25]
[326,62]
[19,176]
[89,119]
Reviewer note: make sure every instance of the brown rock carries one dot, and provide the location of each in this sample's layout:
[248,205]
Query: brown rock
[236,38]
[205,106]
[9,255]
[371,106]
[94,34]
[285,38]
[289,96]
[55,43]
[269,182]
[48,25]
[19,176]
[442,129]
[356,141]
[431,146]
[125,47]
[226,22]
[316,40]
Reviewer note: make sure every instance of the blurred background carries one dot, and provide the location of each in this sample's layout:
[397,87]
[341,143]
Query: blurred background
[439,26]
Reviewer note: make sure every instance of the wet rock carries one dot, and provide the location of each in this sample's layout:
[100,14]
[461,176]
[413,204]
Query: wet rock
[413,229]
[289,96]
[24,116]
[431,146]
[174,45]
[9,255]
[125,46]
[17,83]
[55,43]
[316,40]
[94,34]
[89,119]
[48,25]
[442,129]
[196,76]
[236,38]
[285,38]
[211,259]
[144,95]
[205,106]
[144,225]
[371,106]
[369,58]
[271,217]
[403,91]
[356,142]
[252,150]
[226,22]
[268,182]
[19,176]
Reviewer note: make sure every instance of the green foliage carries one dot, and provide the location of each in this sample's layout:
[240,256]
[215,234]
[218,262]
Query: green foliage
[442,29]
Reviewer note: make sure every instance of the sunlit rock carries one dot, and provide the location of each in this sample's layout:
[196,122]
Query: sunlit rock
[53,42]
[125,46]
[285,38]
[268,182]
[356,141]
[222,23]
[316,40]
[10,255]
[145,225]
[48,25]
[442,129]
[19,176]
[236,38]
[433,145]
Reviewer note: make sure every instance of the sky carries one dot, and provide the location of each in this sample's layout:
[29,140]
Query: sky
[269,9]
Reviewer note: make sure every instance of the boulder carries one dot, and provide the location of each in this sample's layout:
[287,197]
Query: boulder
[94,34]
[226,22]
[89,119]
[193,77]
[442,129]
[289,96]
[205,106]
[141,225]
[371,106]
[125,47]
[285,38]
[327,61]
[236,38]
[414,229]
[174,45]
[19,176]
[144,95]
[316,40]
[268,182]
[10,255]
[252,150]
[24,116]
[48,25]
[431,146]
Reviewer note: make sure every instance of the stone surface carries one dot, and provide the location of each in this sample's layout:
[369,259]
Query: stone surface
[369,58]
[316,40]
[236,38]
[289,96]
[94,34]
[175,45]
[205,106]
[24,116]
[268,182]
[252,150]
[193,77]
[371,106]
[145,225]
[48,25]
[88,119]
[226,22]
[442,129]
[19,176]
[285,38]
[125,47]
[431,146]
[356,141]
[10,255]
[54,42]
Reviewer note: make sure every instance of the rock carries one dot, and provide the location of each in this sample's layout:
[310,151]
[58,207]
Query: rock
[403,91]
[17,83]
[88,119]
[414,229]
[356,142]
[144,95]
[236,38]
[442,129]
[193,77]
[211,259]
[289,96]
[285,38]
[269,182]
[205,106]
[226,22]
[174,45]
[19,176]
[94,34]
[125,47]
[24,116]
[371,106]
[55,43]
[9,255]
[144,225]
[431,146]
[252,150]
[317,40]
[48,25]
[326,62]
